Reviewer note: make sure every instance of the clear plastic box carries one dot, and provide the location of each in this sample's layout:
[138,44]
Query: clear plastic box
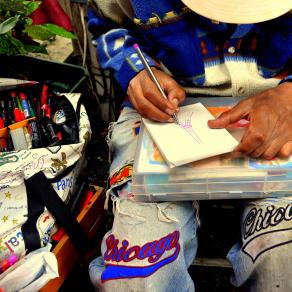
[220,177]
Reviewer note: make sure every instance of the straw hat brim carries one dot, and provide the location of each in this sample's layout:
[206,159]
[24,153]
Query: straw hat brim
[240,11]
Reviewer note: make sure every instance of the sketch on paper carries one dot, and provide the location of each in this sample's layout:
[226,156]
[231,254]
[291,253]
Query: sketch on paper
[185,122]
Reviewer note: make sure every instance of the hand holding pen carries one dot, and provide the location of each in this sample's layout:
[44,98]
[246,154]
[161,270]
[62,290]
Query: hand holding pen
[155,98]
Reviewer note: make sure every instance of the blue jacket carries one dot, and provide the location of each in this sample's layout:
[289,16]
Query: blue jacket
[186,43]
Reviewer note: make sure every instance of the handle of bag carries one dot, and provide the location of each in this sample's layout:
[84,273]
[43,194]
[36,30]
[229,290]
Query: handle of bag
[40,188]
[30,234]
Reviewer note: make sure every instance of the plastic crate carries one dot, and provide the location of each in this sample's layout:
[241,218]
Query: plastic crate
[71,78]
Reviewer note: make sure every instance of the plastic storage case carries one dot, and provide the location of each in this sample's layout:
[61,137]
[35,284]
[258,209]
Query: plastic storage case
[220,177]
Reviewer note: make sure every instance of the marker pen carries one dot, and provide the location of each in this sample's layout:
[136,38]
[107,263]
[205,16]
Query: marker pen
[47,125]
[18,114]
[35,134]
[31,110]
[44,94]
[28,137]
[4,114]
[3,140]
[18,103]
[48,131]
[25,106]
[3,145]
[10,146]
[1,120]
[9,110]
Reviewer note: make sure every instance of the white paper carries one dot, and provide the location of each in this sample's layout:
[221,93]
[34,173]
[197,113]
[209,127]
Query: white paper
[192,140]
[32,272]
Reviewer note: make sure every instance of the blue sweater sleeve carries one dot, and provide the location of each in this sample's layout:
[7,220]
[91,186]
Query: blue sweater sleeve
[115,49]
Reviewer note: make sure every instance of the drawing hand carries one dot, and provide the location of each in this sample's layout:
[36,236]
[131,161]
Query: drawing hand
[270,115]
[148,101]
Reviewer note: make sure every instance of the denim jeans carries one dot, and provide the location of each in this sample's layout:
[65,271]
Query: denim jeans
[151,245]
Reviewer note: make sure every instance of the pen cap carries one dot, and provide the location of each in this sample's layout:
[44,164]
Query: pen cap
[18,115]
[44,94]
[1,122]
[22,95]
[13,94]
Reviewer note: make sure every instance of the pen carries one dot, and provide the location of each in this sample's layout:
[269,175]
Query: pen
[44,94]
[9,110]
[152,76]
[24,103]
[18,114]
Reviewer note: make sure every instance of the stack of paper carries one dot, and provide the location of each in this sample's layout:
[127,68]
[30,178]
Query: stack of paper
[191,139]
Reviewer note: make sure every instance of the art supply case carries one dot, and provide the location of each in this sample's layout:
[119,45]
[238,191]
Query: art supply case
[220,177]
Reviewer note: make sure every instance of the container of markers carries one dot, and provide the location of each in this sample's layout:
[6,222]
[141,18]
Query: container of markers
[42,121]
[41,130]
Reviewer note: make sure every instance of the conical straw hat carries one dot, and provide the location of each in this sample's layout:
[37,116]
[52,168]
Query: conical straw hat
[240,11]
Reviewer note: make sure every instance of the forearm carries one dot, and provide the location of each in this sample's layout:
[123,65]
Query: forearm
[114,45]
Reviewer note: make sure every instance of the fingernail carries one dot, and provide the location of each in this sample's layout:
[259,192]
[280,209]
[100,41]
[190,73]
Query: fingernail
[169,111]
[175,101]
[170,120]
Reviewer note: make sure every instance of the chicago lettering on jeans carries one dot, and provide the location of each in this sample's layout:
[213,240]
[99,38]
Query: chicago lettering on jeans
[256,226]
[257,219]
[152,251]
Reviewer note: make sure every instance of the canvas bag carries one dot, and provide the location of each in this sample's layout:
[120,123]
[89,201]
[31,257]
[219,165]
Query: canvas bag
[46,171]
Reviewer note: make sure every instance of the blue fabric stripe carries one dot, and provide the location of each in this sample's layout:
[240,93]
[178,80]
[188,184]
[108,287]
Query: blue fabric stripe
[120,272]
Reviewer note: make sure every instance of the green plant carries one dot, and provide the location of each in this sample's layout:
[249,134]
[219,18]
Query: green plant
[17,30]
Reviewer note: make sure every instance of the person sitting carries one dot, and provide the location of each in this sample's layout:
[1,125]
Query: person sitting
[195,47]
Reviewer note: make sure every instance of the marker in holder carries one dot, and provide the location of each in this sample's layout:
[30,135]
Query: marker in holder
[35,134]
[25,106]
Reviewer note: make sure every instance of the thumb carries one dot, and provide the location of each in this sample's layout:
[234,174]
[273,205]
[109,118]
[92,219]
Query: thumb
[172,89]
[175,94]
[229,117]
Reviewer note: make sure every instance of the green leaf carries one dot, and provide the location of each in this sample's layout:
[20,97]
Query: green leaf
[38,32]
[35,49]
[60,31]
[11,7]
[28,21]
[10,45]
[8,24]
[31,6]
[46,31]
[17,44]
[4,46]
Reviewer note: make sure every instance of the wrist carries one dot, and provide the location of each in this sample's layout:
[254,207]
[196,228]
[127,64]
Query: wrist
[286,79]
